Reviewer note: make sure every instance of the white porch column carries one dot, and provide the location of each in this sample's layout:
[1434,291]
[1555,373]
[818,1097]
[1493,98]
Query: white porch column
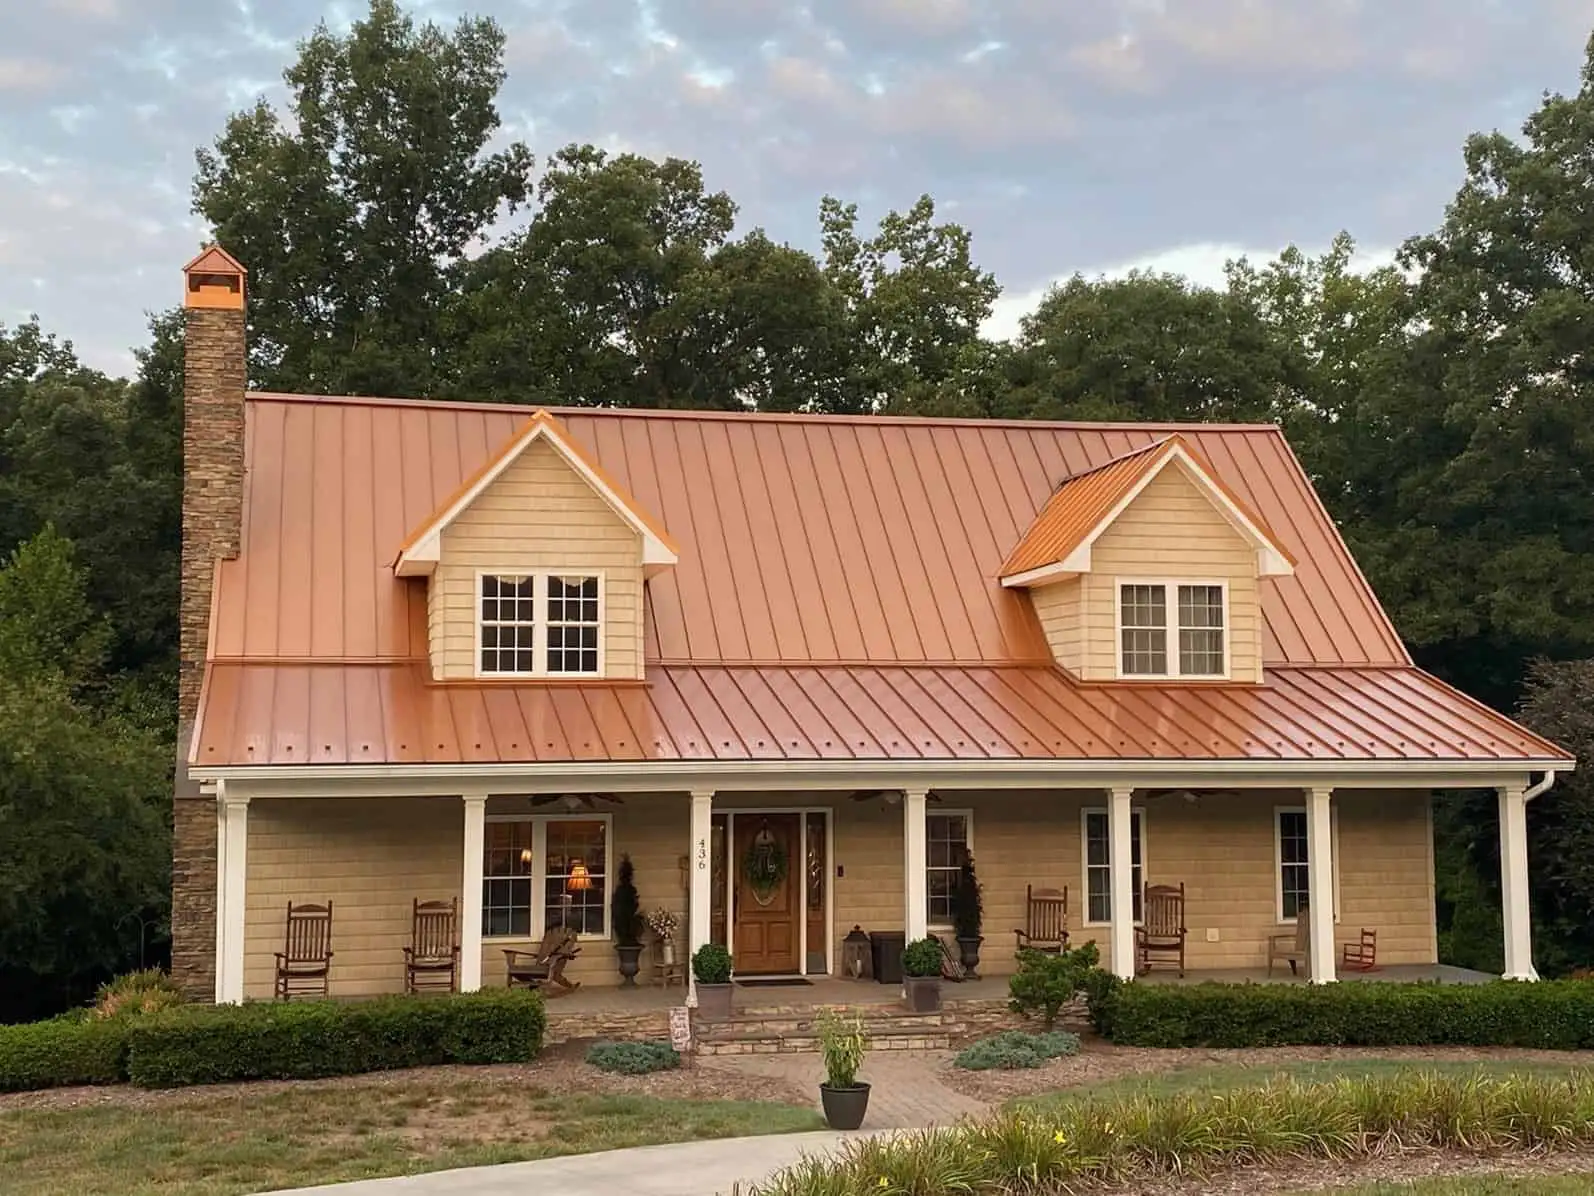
[700,898]
[232,848]
[915,865]
[470,893]
[221,894]
[1514,884]
[1121,882]
[1320,883]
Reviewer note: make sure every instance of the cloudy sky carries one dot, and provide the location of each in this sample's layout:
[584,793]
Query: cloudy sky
[1068,135]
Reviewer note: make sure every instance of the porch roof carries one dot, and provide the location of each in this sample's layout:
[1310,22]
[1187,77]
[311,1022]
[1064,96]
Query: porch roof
[343,713]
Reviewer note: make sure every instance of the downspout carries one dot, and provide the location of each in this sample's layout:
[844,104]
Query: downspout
[1544,783]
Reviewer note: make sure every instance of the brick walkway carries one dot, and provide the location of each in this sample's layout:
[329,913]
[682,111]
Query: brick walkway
[907,1091]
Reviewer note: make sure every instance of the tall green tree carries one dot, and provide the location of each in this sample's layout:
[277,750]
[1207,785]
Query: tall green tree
[352,216]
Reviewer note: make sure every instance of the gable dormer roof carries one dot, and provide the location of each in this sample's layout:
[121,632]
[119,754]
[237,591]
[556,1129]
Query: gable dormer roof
[1058,543]
[419,553]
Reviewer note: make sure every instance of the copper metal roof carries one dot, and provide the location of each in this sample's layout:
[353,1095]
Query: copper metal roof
[837,594]
[385,714]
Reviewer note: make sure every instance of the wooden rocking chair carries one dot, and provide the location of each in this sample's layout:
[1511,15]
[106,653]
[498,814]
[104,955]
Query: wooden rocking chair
[1045,920]
[1160,937]
[545,965]
[1293,947]
[304,965]
[431,961]
[1361,956]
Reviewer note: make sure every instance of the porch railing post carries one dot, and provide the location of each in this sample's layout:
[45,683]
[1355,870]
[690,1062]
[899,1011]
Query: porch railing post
[915,865]
[700,899]
[1514,884]
[1121,880]
[1320,882]
[470,895]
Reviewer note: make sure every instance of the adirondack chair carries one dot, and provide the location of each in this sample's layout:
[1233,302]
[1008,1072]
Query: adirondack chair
[545,965]
[1159,939]
[1045,920]
[1361,956]
[431,961]
[1293,947]
[304,965]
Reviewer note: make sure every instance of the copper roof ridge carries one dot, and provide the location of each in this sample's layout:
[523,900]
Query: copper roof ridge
[762,416]
[1156,445]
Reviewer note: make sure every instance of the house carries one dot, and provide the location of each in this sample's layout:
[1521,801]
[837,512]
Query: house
[794,667]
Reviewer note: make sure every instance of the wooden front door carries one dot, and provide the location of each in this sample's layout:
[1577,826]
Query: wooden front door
[767,866]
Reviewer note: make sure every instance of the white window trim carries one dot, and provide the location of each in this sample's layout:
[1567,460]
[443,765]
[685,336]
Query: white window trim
[1135,813]
[539,873]
[968,844]
[1170,598]
[1278,858]
[539,632]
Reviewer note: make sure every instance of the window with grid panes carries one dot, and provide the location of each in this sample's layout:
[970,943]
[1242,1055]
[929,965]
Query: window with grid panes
[579,904]
[1294,863]
[1098,865]
[573,625]
[1198,619]
[946,845]
[1201,631]
[506,879]
[508,624]
[1144,622]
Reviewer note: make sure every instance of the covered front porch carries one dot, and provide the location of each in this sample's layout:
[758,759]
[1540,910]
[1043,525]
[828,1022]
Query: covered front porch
[781,877]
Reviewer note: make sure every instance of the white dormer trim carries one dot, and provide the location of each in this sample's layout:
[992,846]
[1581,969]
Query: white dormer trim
[420,555]
[1270,558]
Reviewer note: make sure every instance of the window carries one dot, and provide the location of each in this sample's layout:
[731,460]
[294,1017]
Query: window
[1199,621]
[572,624]
[948,839]
[1098,865]
[546,871]
[1292,850]
[540,625]
[508,627]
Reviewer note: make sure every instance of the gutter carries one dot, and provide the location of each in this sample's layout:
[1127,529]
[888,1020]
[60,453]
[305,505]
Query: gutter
[1542,784]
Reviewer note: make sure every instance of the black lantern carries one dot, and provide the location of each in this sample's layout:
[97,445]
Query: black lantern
[855,964]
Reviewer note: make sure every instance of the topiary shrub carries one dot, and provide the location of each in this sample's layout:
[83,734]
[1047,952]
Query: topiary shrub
[136,993]
[1014,1049]
[625,907]
[922,958]
[211,1044]
[66,1050]
[633,1058]
[712,964]
[968,902]
[1045,982]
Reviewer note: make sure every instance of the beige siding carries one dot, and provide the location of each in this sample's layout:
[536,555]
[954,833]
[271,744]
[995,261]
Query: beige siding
[538,514]
[1171,532]
[1063,621]
[372,857]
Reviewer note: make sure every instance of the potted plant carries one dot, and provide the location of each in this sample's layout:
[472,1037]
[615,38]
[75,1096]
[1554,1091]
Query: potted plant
[921,975]
[711,968]
[662,923]
[625,920]
[843,1042]
[968,912]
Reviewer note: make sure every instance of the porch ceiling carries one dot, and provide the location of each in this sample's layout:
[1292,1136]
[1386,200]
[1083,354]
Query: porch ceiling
[390,714]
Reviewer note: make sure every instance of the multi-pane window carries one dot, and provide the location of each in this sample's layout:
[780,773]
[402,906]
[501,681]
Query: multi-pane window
[1098,865]
[573,625]
[508,624]
[1197,617]
[1294,866]
[542,872]
[540,625]
[946,842]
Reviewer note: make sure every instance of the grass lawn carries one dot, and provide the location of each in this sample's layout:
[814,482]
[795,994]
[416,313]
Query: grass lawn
[236,1140]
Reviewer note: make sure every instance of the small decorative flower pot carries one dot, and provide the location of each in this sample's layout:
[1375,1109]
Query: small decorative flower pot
[630,962]
[667,951]
[714,1002]
[923,993]
[844,1107]
[969,953]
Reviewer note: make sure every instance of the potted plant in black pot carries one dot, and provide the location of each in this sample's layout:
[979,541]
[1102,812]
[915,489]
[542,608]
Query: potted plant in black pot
[921,975]
[625,922]
[968,912]
[711,968]
[843,1042]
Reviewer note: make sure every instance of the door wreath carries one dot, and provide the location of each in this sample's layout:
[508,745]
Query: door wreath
[764,866]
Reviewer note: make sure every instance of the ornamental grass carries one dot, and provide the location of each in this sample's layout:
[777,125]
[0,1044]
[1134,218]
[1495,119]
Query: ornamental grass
[1057,1145]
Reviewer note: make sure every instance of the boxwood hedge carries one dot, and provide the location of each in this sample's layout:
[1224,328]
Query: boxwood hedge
[70,1049]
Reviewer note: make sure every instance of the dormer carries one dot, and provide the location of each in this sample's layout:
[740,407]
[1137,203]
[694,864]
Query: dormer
[535,567]
[1148,568]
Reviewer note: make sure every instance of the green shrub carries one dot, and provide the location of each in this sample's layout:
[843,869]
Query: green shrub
[843,1043]
[297,1040]
[1101,998]
[712,964]
[625,907]
[633,1058]
[1074,1144]
[70,1049]
[1554,1014]
[968,902]
[1045,982]
[922,958]
[1014,1049]
[136,993]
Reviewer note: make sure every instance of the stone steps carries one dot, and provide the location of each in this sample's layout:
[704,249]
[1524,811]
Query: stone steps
[794,1032]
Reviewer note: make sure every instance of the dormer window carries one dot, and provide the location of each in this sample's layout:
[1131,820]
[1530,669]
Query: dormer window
[540,625]
[1172,629]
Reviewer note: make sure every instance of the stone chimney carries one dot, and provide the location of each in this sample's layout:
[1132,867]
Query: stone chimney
[214,372]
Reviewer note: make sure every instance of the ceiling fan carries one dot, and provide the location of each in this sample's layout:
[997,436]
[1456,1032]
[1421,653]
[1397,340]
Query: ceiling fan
[576,801]
[890,796]
[1189,795]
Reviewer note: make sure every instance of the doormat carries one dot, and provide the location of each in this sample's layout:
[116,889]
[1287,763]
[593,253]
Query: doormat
[793,982]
